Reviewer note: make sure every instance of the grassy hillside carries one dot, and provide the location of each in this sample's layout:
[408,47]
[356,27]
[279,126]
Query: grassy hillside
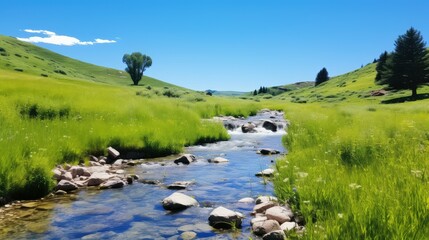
[355,86]
[63,118]
[28,58]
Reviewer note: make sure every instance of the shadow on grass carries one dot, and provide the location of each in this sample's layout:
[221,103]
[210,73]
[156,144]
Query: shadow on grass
[406,99]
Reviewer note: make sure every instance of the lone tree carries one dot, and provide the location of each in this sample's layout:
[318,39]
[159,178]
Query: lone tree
[322,76]
[136,65]
[408,67]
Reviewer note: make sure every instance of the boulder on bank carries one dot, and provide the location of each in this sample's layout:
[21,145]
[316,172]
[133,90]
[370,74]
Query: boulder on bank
[79,171]
[263,199]
[268,151]
[113,183]
[178,201]
[263,227]
[280,214]
[185,159]
[269,172]
[260,208]
[270,125]
[66,185]
[113,153]
[98,178]
[248,128]
[224,218]
[275,235]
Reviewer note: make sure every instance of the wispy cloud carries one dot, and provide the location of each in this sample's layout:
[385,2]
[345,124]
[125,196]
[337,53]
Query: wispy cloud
[62,40]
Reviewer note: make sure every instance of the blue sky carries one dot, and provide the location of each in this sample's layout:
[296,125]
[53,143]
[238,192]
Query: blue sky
[221,44]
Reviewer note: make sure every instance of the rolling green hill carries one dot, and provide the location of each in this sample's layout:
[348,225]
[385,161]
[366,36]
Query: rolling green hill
[355,86]
[27,58]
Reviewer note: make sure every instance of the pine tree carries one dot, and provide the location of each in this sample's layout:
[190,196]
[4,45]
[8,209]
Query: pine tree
[255,93]
[322,76]
[408,67]
[381,66]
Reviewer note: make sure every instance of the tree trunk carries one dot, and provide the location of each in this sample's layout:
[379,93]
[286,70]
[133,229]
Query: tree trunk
[414,94]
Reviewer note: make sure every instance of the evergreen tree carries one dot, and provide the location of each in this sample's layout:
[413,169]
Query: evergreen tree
[408,68]
[255,93]
[322,76]
[381,66]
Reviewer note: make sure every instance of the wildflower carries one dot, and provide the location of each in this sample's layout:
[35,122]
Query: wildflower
[354,186]
[416,173]
[340,215]
[302,174]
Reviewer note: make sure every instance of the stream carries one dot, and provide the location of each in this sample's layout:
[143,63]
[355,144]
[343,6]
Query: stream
[135,211]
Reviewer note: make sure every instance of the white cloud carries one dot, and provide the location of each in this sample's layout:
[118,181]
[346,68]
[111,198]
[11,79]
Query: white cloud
[52,38]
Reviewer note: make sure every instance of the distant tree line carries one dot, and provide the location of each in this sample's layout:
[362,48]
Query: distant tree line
[407,67]
[261,90]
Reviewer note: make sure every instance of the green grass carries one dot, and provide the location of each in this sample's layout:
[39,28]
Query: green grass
[63,118]
[360,171]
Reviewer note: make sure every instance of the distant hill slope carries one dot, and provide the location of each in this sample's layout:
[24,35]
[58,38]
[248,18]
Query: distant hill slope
[353,86]
[225,93]
[24,57]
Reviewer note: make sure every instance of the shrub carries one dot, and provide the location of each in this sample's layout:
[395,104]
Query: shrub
[44,75]
[19,69]
[18,55]
[59,71]
[170,94]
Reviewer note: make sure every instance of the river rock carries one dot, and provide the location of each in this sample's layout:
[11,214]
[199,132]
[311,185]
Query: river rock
[260,208]
[270,125]
[265,173]
[263,227]
[268,151]
[275,235]
[178,201]
[98,178]
[287,226]
[113,153]
[150,181]
[224,218]
[113,183]
[262,199]
[67,176]
[30,204]
[95,164]
[93,158]
[258,219]
[79,171]
[66,185]
[188,235]
[60,192]
[219,160]
[248,128]
[180,185]
[185,159]
[280,214]
[246,200]
[57,174]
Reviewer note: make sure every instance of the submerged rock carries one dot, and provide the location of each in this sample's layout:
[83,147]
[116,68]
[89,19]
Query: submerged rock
[268,151]
[265,173]
[224,218]
[113,183]
[219,160]
[178,201]
[246,200]
[180,185]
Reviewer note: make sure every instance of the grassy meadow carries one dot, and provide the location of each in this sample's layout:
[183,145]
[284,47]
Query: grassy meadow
[358,171]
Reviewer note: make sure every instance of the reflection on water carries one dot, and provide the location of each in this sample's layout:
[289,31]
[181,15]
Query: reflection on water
[135,212]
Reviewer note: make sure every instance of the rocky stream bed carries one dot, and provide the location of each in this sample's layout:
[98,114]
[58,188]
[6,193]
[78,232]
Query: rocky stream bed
[215,191]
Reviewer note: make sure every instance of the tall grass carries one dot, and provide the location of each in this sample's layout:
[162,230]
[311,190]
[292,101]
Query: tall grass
[358,172]
[45,122]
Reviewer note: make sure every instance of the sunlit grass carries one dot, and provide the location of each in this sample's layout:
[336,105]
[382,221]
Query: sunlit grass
[47,121]
[360,171]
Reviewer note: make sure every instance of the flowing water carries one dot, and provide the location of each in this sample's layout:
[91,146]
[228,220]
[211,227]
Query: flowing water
[135,211]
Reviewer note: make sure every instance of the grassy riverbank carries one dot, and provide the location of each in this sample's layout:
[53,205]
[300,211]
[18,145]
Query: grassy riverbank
[359,170]
[48,121]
